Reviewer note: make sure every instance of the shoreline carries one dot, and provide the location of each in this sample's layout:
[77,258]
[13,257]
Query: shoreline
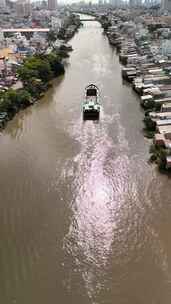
[13,100]
[158,152]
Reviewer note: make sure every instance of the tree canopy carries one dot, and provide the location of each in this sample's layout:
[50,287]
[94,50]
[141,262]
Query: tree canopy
[43,67]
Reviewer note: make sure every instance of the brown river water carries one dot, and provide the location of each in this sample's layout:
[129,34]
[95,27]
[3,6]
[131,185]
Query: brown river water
[83,217]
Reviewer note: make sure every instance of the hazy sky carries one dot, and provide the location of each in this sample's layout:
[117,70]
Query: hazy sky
[67,1]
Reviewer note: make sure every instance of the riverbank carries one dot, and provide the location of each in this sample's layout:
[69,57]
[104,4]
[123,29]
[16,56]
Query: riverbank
[148,72]
[79,203]
[66,31]
[36,73]
[70,28]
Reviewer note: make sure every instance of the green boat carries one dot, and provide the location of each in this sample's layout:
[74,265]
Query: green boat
[91,104]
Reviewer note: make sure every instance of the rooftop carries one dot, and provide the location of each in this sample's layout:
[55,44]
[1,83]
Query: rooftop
[164,129]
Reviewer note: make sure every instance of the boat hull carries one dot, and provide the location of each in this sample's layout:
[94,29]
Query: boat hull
[91,115]
[91,105]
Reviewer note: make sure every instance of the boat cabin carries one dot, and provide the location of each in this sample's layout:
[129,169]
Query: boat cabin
[91,105]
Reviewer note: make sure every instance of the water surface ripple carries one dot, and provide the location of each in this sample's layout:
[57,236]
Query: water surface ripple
[83,217]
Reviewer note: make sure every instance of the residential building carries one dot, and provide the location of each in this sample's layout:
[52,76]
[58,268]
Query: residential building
[166,5]
[135,3]
[23,8]
[56,23]
[2,3]
[52,4]
[19,8]
[27,8]
[100,2]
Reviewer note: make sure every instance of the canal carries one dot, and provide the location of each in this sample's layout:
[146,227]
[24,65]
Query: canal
[83,217]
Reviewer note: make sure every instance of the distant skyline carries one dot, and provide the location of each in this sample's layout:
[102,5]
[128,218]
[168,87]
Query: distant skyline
[66,1]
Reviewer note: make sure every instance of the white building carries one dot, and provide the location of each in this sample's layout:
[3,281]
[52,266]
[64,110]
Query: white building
[2,3]
[115,3]
[166,5]
[52,4]
[23,8]
[27,8]
[135,3]
[56,23]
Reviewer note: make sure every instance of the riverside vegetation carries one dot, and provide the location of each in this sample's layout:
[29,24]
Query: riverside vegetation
[35,74]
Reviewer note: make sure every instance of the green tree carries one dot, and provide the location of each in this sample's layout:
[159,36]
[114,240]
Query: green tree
[149,123]
[23,98]
[25,73]
[35,87]
[51,37]
[55,64]
[162,159]
[35,67]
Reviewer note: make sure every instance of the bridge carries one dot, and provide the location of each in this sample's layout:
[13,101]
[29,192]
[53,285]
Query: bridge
[24,30]
[79,12]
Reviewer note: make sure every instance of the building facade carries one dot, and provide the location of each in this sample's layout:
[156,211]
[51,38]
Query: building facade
[166,5]
[52,4]
[23,8]
[2,3]
[135,3]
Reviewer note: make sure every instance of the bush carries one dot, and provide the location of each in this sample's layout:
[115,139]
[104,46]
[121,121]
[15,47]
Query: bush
[149,134]
[153,158]
[24,98]
[162,159]
[13,100]
[149,104]
[157,107]
[55,63]
[35,87]
[153,149]
[147,112]
[63,54]
[149,123]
